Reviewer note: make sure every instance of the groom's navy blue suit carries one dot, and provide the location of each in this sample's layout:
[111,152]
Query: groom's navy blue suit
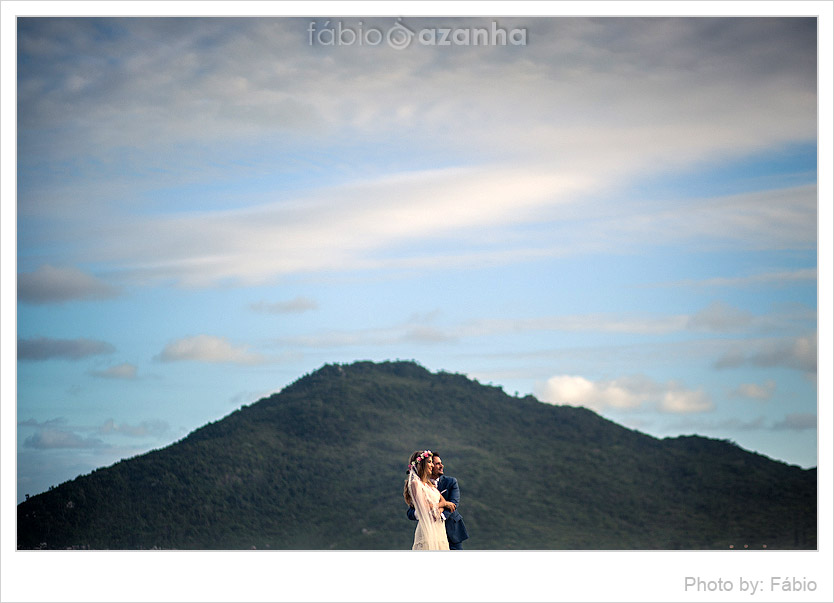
[455,528]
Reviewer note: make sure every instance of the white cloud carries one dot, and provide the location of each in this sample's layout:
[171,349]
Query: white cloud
[208,348]
[626,393]
[682,401]
[578,391]
[50,284]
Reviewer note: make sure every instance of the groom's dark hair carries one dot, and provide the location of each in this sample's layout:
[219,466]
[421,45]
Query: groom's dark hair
[435,453]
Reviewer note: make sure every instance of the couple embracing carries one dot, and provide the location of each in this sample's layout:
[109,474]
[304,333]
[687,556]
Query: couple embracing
[432,500]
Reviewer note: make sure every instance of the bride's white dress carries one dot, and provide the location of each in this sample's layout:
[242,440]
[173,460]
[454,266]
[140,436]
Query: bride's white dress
[430,534]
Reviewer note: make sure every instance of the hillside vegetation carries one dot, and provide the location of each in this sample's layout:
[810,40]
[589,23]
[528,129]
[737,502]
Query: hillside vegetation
[320,465]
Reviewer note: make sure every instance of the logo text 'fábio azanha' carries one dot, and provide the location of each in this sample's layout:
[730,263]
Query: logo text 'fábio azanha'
[400,36]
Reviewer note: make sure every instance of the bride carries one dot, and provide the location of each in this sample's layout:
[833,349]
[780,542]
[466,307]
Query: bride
[421,493]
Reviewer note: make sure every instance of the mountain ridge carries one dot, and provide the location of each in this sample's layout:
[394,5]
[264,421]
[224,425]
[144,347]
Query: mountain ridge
[320,464]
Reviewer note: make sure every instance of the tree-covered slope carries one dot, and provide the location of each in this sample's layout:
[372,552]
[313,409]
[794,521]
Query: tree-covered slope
[321,466]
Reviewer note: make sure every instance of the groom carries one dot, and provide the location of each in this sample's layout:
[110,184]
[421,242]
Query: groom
[448,486]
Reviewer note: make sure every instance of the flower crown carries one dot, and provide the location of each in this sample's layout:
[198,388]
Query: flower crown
[426,454]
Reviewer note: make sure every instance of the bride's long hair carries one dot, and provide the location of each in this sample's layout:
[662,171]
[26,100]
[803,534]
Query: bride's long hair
[421,467]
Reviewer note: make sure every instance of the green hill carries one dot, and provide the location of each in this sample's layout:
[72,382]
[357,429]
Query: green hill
[321,464]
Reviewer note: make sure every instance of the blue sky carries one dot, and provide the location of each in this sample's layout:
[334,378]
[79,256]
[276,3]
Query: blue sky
[619,214]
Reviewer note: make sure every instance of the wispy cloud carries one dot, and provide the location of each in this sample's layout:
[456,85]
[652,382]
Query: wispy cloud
[208,348]
[174,96]
[754,391]
[296,305]
[50,284]
[721,317]
[768,219]
[797,422]
[799,353]
[49,423]
[716,317]
[351,227]
[60,438]
[422,329]
[46,348]
[699,424]
[779,278]
[142,430]
[627,393]
[219,153]
[791,422]
[120,371]
[376,224]
[595,323]
[58,433]
[527,170]
[408,332]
